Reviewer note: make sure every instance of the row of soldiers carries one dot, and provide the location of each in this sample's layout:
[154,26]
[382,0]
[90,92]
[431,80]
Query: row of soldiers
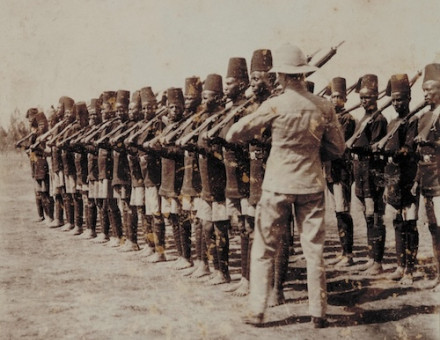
[183,159]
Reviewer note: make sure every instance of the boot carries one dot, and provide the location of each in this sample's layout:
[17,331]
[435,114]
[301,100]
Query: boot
[400,235]
[91,220]
[105,226]
[159,240]
[222,245]
[412,245]
[281,265]
[78,211]
[40,208]
[378,245]
[147,225]
[174,221]
[370,227]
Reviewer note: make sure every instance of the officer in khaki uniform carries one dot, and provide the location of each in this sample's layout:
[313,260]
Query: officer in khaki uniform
[300,123]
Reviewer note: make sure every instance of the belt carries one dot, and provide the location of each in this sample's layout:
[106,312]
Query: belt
[357,157]
[428,158]
[255,155]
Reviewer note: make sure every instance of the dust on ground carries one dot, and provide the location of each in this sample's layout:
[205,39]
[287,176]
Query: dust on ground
[56,286]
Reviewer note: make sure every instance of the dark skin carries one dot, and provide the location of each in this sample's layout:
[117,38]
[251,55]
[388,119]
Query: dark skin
[368,99]
[338,100]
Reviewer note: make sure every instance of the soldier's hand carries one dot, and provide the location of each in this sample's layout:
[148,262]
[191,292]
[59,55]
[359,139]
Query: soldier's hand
[414,189]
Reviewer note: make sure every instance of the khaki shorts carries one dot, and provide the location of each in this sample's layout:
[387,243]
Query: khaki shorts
[152,201]
[42,185]
[58,179]
[70,182]
[190,203]
[170,205]
[93,189]
[105,189]
[237,206]
[251,210]
[121,192]
[137,198]
[212,211]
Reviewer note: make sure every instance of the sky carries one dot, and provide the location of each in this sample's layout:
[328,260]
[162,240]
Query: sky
[51,48]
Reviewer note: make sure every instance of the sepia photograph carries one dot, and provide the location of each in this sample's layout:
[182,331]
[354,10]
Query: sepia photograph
[236,169]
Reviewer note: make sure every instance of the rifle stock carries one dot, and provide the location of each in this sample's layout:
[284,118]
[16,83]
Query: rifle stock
[46,135]
[157,117]
[25,138]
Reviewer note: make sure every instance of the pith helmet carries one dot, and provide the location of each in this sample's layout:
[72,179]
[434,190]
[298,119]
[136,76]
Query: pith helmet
[261,61]
[193,86]
[237,68]
[214,83]
[368,81]
[432,72]
[291,60]
[147,96]
[398,83]
[175,96]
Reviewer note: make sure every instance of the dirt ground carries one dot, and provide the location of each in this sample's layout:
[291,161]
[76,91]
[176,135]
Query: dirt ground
[56,286]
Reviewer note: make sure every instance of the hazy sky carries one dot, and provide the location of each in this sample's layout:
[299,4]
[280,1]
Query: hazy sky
[80,48]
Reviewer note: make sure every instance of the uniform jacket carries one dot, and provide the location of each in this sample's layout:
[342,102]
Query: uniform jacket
[299,123]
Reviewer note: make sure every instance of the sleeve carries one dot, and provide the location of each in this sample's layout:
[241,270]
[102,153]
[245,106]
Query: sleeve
[378,129]
[333,142]
[252,126]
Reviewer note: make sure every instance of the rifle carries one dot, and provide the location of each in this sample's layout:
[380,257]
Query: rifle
[310,56]
[213,132]
[42,138]
[321,62]
[51,142]
[378,147]
[104,139]
[25,138]
[117,139]
[182,141]
[99,128]
[169,137]
[157,117]
[361,128]
[149,144]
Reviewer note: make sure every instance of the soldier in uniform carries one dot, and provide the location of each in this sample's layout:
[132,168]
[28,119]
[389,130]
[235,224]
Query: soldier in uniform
[299,123]
[121,182]
[107,204]
[400,173]
[40,168]
[368,171]
[191,186]
[339,175]
[57,163]
[262,84]
[137,196]
[150,163]
[212,207]
[171,179]
[428,150]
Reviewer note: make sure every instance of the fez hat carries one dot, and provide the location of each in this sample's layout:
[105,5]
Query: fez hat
[214,83]
[237,68]
[193,86]
[432,72]
[147,95]
[338,84]
[261,61]
[136,98]
[291,60]
[82,114]
[398,83]
[123,98]
[310,86]
[67,102]
[175,96]
[368,81]
[108,97]
[31,113]
[40,119]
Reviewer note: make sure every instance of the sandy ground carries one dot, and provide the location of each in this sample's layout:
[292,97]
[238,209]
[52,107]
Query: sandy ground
[56,286]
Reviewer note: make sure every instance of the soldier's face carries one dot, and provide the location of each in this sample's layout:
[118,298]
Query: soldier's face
[260,82]
[93,117]
[209,99]
[106,111]
[149,109]
[191,102]
[60,110]
[232,87]
[68,114]
[431,89]
[400,102]
[368,99]
[121,112]
[133,111]
[175,112]
[338,100]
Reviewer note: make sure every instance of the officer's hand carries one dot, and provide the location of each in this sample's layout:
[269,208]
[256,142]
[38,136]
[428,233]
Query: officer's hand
[414,189]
